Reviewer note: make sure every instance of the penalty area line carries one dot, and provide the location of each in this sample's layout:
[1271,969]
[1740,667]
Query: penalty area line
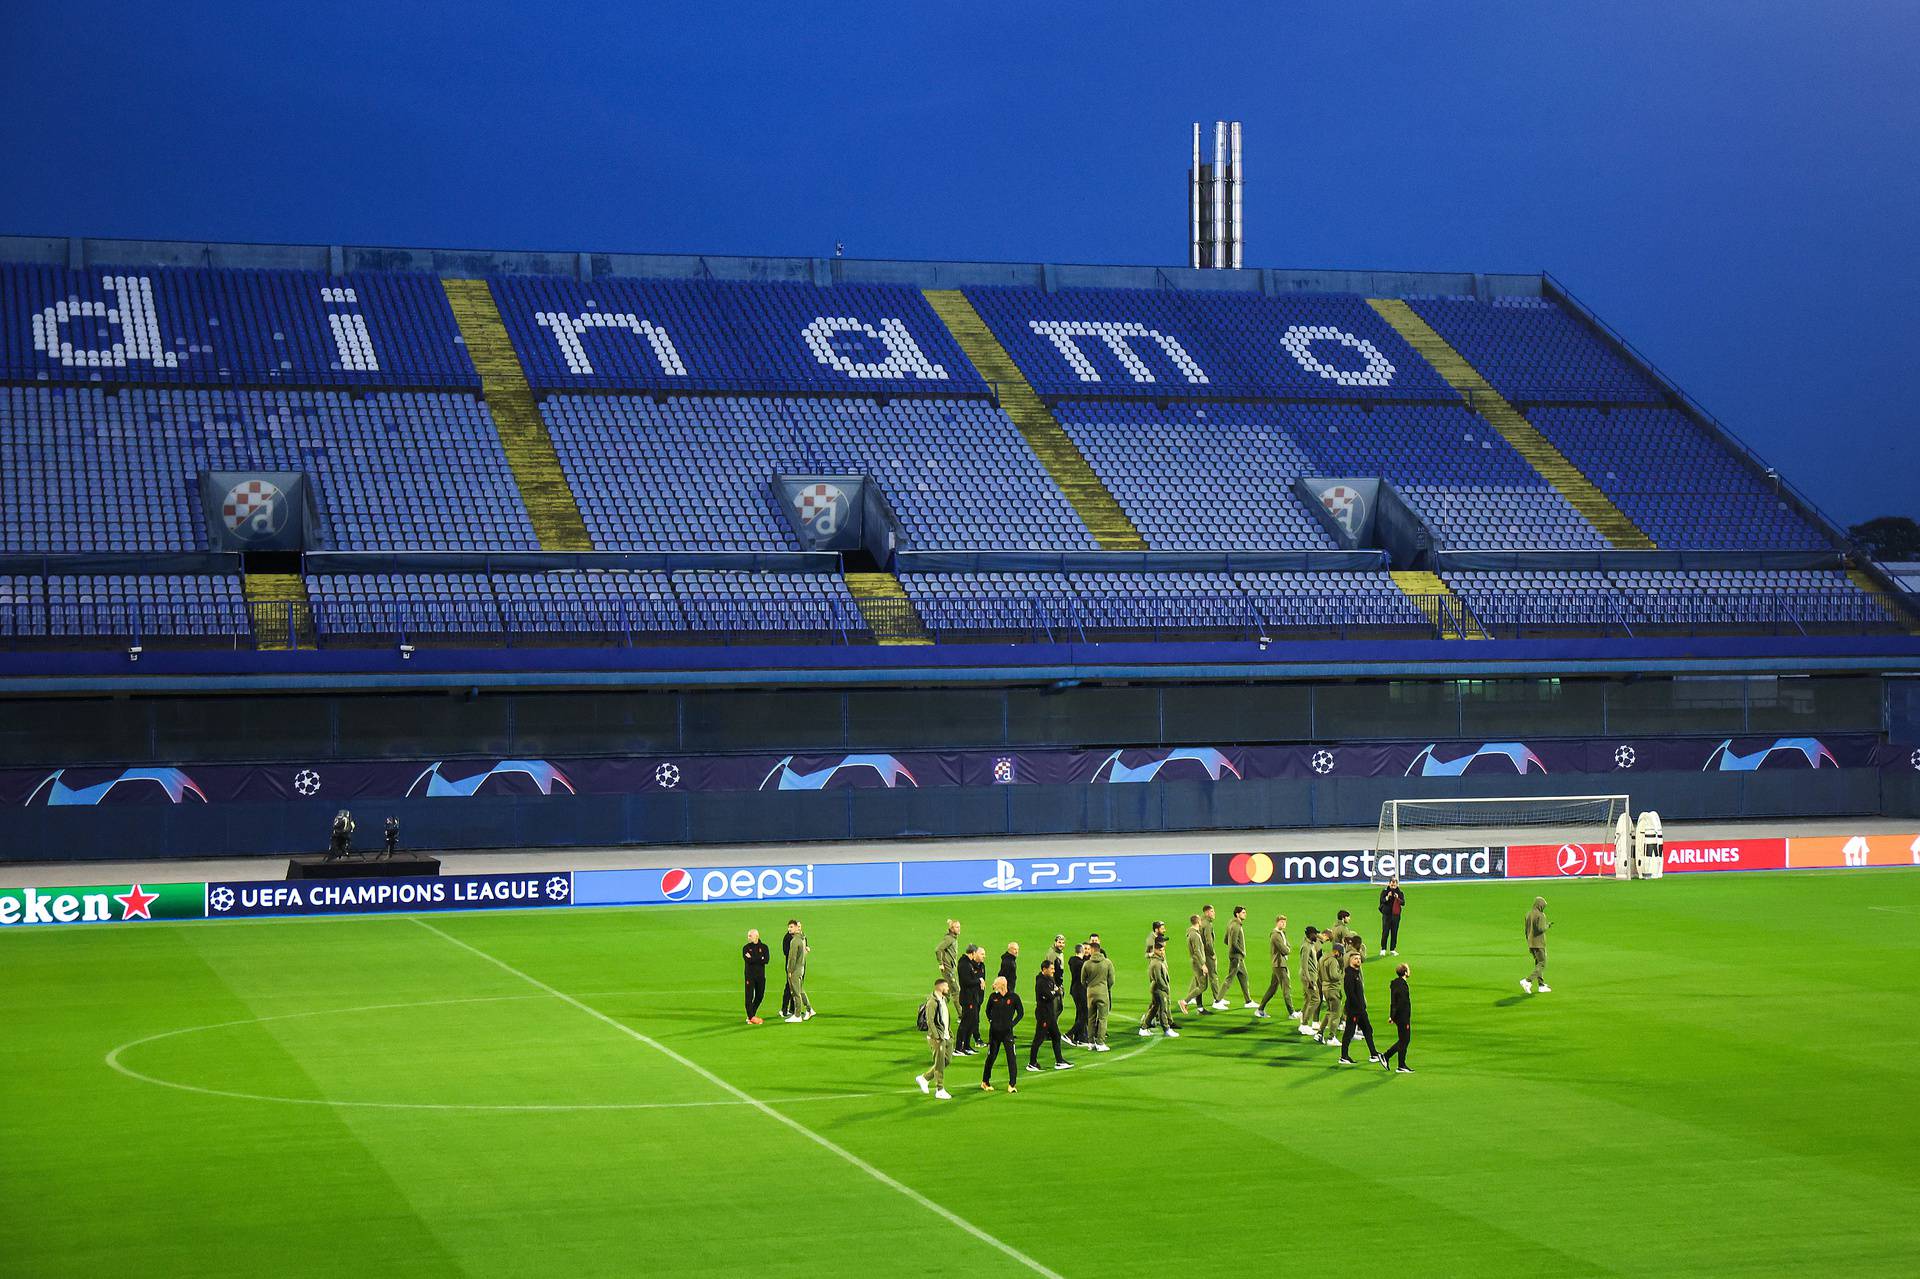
[741,1095]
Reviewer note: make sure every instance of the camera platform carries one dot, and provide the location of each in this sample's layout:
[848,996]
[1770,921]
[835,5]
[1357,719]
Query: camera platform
[400,865]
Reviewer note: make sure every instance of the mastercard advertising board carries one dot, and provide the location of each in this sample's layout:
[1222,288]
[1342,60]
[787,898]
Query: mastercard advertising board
[1854,850]
[1412,865]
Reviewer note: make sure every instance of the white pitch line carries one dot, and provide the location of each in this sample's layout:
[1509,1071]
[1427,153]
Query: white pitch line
[113,1060]
[823,1142]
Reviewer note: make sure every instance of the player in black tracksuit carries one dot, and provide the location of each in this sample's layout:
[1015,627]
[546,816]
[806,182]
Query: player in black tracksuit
[755,956]
[973,985]
[1004,1011]
[1400,1012]
[1046,1017]
[1077,987]
[1355,988]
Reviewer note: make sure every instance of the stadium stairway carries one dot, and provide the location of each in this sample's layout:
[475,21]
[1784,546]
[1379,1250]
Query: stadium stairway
[890,615]
[503,383]
[1581,493]
[1441,606]
[1071,473]
[282,615]
[1901,614]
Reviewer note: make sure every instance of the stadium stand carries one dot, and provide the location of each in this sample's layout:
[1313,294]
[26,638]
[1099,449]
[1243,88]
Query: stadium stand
[652,415]
[1531,350]
[204,327]
[1681,486]
[631,603]
[709,335]
[696,472]
[1152,344]
[89,469]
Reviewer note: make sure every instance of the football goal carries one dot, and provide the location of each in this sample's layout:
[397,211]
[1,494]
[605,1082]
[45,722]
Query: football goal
[1411,827]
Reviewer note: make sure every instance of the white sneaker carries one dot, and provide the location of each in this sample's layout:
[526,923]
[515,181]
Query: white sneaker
[1308,1030]
[1404,1070]
[794,1019]
[943,1095]
[1346,1061]
[1395,952]
[1373,1059]
[1383,950]
[1063,1065]
[1545,989]
[808,1016]
[1251,1003]
[1262,1014]
[1101,1048]
[1526,984]
[922,1081]
[1144,1032]
[1173,1034]
[1221,1005]
[1298,1014]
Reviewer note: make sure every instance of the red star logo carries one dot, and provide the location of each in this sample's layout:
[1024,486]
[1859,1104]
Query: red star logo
[136,903]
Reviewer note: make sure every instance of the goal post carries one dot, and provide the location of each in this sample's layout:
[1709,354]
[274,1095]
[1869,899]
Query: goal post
[1411,826]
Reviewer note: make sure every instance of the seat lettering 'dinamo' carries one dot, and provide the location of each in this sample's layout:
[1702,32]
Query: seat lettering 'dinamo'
[709,335]
[199,326]
[1194,345]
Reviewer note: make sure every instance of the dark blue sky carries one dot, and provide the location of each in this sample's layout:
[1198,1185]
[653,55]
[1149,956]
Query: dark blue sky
[1733,185]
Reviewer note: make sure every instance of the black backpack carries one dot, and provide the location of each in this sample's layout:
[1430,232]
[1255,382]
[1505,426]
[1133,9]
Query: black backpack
[920,1019]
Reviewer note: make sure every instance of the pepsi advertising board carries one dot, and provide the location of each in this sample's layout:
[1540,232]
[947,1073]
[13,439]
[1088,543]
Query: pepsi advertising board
[792,882]
[1052,874]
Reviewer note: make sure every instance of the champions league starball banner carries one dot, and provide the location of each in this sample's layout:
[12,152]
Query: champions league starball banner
[1609,762]
[411,895]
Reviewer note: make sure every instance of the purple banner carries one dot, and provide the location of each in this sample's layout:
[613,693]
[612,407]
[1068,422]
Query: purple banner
[659,774]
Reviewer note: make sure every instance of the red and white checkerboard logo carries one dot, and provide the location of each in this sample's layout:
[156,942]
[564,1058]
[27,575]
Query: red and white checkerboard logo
[254,508]
[1344,504]
[820,506]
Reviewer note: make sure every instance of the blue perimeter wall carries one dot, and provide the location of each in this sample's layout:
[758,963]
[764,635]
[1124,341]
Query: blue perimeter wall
[188,831]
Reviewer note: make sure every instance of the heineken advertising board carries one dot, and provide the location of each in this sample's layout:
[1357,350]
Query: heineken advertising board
[102,904]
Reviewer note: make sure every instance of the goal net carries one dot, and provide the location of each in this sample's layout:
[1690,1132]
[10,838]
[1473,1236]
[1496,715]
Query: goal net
[1413,832]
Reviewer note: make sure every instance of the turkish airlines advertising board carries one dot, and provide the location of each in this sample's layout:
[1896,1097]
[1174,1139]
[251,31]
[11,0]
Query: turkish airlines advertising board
[1550,861]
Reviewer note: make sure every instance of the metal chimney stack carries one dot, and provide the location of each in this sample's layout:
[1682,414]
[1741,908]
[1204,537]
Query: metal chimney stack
[1214,202]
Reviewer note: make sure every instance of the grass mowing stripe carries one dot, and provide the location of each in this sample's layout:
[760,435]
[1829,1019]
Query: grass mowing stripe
[823,1142]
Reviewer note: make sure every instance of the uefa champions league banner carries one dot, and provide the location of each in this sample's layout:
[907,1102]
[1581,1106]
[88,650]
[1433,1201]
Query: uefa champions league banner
[408,895]
[1611,762]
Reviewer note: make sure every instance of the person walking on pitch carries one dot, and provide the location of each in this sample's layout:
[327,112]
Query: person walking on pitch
[1340,930]
[1310,982]
[1355,998]
[1392,900]
[1217,989]
[1237,959]
[1159,994]
[1098,975]
[755,956]
[1077,988]
[1200,991]
[1400,1013]
[1536,929]
[1046,1017]
[1059,956]
[1333,997]
[1010,965]
[1158,935]
[946,956]
[1278,948]
[937,1017]
[973,989]
[1004,1011]
[797,950]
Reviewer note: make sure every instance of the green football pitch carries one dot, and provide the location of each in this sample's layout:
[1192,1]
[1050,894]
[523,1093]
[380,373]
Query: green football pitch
[1721,1083]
